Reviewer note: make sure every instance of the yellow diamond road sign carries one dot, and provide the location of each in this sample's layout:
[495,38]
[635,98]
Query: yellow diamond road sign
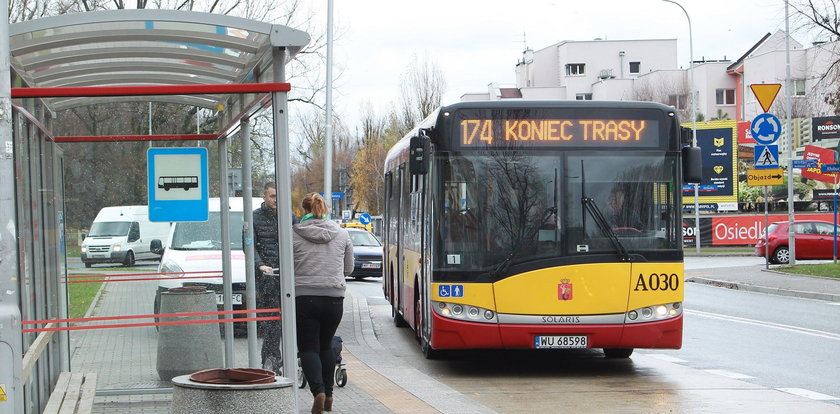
[772,176]
[766,93]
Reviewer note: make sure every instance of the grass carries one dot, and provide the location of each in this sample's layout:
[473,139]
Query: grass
[73,250]
[825,270]
[81,296]
[707,249]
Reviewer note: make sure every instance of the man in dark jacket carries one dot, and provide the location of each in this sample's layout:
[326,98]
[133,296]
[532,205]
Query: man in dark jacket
[266,259]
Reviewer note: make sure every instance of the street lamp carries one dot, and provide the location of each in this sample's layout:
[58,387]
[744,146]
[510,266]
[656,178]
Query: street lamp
[693,121]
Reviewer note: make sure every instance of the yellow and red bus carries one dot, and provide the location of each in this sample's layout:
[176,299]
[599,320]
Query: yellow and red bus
[502,230]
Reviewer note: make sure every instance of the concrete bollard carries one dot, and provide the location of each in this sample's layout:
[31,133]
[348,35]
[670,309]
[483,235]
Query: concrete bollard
[189,396]
[184,349]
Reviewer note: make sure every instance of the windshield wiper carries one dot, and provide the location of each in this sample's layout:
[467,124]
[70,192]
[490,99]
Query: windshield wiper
[590,206]
[505,264]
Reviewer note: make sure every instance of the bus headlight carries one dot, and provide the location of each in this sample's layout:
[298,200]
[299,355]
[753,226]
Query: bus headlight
[654,313]
[464,312]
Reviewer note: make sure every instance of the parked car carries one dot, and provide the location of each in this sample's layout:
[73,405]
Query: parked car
[195,249]
[814,240]
[122,234]
[367,252]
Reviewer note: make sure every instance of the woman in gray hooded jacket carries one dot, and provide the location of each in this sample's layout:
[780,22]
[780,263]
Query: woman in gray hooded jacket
[323,257]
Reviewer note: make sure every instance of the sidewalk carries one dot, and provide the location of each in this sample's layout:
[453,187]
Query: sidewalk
[760,279]
[380,383]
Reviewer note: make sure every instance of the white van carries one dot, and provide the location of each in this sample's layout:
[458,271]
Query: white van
[122,235]
[197,247]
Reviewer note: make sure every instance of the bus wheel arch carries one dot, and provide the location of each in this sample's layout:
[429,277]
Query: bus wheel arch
[418,315]
[399,321]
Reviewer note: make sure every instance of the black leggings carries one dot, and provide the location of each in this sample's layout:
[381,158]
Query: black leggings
[317,320]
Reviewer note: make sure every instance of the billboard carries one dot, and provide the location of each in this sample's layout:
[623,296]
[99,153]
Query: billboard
[744,134]
[823,156]
[825,127]
[737,230]
[719,147]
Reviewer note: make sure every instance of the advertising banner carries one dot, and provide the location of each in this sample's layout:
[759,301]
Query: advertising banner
[744,134]
[825,127]
[717,150]
[823,156]
[745,230]
[736,230]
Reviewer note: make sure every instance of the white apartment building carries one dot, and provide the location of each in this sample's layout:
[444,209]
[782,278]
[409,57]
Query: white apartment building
[648,70]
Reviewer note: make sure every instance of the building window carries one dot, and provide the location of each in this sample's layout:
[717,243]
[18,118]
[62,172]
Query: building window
[575,69]
[635,67]
[798,87]
[583,97]
[678,101]
[725,96]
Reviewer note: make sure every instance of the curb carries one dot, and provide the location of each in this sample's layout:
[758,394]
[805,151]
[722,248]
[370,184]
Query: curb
[829,297]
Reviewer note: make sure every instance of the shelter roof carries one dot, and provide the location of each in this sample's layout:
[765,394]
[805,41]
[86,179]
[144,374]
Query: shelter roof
[146,47]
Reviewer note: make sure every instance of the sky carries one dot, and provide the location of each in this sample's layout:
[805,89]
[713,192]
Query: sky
[476,42]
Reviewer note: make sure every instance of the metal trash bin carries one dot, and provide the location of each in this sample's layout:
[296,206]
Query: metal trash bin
[185,349]
[243,390]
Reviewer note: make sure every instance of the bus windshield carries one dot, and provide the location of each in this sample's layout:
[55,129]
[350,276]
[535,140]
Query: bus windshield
[507,207]
[207,235]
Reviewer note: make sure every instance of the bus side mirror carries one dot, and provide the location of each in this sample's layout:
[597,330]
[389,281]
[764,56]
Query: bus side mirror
[692,163]
[418,157]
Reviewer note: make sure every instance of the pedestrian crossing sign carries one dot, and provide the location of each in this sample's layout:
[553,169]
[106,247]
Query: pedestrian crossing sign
[766,156]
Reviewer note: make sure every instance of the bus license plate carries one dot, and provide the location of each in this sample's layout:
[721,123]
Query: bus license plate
[236,299]
[561,341]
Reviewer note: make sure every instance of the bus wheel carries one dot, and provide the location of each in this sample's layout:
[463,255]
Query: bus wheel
[428,351]
[399,321]
[613,353]
[418,318]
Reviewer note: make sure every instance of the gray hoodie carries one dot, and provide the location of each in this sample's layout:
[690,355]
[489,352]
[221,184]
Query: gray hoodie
[323,257]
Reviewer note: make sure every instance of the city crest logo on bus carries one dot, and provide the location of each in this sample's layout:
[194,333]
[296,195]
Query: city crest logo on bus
[564,290]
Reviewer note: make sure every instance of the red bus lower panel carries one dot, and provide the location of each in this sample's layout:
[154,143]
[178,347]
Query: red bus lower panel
[454,334]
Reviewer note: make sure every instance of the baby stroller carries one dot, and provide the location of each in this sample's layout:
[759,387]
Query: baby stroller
[340,367]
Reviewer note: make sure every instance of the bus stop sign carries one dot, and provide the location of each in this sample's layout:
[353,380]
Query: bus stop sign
[177,179]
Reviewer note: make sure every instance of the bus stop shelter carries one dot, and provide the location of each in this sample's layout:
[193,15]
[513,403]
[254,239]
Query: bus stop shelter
[230,65]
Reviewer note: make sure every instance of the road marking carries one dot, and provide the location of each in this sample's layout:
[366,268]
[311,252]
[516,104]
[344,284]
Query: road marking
[796,329]
[667,358]
[728,374]
[808,394]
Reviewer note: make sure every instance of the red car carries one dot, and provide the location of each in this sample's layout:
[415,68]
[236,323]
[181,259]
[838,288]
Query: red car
[814,240]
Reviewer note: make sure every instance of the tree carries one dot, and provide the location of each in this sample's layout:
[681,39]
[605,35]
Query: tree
[721,116]
[822,18]
[367,172]
[422,88]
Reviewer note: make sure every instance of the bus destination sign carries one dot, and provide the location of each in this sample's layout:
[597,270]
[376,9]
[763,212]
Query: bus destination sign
[499,133]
